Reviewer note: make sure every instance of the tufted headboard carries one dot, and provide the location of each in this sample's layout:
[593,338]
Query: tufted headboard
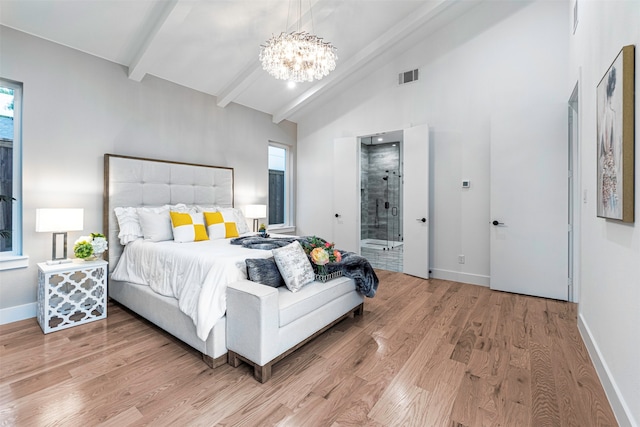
[135,181]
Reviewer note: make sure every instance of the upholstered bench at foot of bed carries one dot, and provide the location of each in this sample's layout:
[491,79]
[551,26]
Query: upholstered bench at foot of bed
[265,324]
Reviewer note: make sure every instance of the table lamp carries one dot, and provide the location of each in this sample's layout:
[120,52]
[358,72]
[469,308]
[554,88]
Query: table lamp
[255,212]
[59,222]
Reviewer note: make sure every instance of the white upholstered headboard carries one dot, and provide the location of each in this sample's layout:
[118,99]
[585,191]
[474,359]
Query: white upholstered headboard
[135,181]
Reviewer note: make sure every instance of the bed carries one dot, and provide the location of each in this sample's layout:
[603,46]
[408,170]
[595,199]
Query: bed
[137,183]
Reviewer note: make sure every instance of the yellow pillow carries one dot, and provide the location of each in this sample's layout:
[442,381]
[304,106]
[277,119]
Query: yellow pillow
[188,227]
[220,227]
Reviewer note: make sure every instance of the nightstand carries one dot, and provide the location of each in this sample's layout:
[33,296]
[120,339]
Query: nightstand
[71,294]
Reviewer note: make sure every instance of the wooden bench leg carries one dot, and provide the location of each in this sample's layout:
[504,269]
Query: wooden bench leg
[262,373]
[359,310]
[233,359]
[214,363]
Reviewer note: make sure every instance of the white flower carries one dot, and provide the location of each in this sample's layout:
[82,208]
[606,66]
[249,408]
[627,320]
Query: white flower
[84,239]
[99,245]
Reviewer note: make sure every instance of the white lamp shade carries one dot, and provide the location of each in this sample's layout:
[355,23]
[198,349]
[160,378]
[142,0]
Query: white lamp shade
[255,211]
[58,220]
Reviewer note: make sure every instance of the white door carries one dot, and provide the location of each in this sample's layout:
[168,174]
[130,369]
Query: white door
[529,207]
[346,194]
[416,201]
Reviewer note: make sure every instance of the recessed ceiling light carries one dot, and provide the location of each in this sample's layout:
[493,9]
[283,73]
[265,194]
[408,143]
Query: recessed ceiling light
[291,84]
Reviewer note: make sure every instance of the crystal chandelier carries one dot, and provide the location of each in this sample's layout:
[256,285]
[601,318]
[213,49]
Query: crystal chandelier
[298,56]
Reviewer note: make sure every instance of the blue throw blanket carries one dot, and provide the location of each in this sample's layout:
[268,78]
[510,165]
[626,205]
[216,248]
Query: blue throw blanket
[352,265]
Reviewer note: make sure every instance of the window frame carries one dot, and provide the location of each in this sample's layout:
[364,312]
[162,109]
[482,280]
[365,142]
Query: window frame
[16,258]
[289,224]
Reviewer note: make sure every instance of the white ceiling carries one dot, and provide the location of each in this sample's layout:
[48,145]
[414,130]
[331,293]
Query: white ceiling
[212,45]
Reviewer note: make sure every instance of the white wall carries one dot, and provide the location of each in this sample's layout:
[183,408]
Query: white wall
[468,69]
[78,107]
[531,56]
[609,309]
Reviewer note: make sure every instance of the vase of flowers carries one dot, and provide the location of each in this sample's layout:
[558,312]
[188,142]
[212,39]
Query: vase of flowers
[99,244]
[322,253]
[90,247]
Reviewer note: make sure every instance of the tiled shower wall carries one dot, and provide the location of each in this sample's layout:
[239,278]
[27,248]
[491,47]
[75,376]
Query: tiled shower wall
[375,161]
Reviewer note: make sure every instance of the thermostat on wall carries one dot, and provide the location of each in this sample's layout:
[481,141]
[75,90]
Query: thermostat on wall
[466,183]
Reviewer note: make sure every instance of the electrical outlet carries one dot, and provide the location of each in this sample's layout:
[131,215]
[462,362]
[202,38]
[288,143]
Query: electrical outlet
[460,259]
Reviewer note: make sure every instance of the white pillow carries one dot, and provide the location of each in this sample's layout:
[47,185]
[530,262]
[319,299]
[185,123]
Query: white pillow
[156,226]
[128,224]
[130,227]
[207,208]
[181,207]
[240,220]
[294,266]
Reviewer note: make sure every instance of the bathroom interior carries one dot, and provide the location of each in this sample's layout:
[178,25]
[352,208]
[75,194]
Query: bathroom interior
[381,229]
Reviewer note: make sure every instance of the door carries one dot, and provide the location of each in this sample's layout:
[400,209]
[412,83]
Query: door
[574,196]
[529,208]
[346,194]
[416,201]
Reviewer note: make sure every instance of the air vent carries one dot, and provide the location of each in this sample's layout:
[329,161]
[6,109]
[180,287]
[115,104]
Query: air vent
[408,77]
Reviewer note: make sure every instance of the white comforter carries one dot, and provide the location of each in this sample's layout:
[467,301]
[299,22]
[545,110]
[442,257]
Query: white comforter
[196,274]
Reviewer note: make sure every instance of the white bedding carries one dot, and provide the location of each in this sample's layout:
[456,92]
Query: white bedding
[196,274]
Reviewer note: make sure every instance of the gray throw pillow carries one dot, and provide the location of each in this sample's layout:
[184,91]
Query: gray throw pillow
[294,266]
[265,271]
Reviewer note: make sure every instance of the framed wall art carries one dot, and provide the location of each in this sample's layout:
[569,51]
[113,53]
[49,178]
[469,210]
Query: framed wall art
[615,134]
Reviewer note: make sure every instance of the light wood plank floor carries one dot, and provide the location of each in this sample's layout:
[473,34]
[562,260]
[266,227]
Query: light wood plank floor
[425,353]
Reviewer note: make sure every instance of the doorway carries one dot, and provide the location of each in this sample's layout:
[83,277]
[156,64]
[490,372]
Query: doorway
[381,204]
[414,209]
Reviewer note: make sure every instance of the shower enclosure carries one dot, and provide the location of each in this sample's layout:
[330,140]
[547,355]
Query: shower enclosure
[381,194]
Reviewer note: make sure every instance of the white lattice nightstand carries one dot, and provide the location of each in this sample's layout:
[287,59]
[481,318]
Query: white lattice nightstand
[71,294]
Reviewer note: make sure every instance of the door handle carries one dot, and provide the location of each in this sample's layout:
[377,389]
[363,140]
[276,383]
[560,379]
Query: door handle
[496,223]
[421,219]
[337,215]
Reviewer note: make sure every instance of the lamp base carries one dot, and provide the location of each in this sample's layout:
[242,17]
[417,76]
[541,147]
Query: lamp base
[54,251]
[59,261]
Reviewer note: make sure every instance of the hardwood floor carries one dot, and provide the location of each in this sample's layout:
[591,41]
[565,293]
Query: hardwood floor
[425,353]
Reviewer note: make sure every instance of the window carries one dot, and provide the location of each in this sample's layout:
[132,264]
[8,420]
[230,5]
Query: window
[10,175]
[279,185]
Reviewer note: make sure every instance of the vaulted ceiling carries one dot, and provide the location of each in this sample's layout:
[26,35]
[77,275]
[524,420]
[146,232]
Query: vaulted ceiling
[212,45]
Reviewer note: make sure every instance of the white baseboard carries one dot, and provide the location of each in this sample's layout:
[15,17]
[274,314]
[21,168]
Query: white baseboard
[618,404]
[19,312]
[456,276]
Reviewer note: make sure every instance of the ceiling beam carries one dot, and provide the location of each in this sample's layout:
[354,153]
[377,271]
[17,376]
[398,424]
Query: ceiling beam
[167,14]
[374,49]
[239,84]
[253,70]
